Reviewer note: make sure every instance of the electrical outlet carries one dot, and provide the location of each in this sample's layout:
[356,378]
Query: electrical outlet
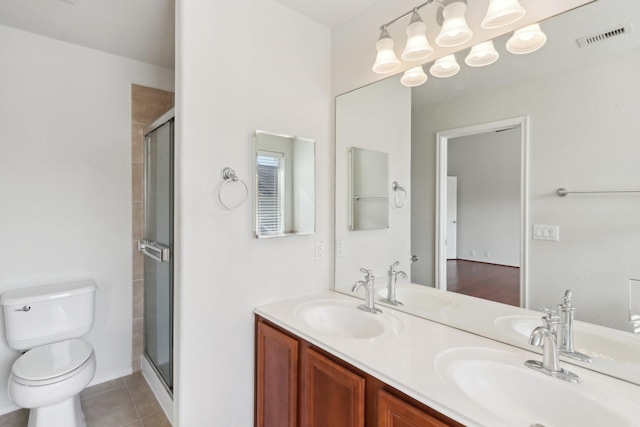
[319,251]
[339,247]
[472,252]
[487,254]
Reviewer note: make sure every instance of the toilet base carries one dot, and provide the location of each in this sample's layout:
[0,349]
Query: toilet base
[67,413]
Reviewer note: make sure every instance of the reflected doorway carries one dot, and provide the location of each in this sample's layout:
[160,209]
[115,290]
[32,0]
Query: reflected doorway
[480,246]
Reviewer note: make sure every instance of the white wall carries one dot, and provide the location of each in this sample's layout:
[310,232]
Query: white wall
[242,66]
[377,118]
[582,136]
[65,180]
[488,169]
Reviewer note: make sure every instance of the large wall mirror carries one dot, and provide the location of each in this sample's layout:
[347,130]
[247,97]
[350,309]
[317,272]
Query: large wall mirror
[561,117]
[285,185]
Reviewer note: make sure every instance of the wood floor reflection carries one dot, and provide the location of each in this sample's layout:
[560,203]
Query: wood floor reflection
[488,281]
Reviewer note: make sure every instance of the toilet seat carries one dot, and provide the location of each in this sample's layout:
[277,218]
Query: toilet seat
[52,363]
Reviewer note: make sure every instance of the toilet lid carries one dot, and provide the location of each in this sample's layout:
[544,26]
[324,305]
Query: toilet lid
[52,360]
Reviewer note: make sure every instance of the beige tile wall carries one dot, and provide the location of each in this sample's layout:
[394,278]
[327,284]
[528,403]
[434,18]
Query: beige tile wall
[147,104]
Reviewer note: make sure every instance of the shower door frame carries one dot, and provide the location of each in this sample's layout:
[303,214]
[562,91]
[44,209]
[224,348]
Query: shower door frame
[166,118]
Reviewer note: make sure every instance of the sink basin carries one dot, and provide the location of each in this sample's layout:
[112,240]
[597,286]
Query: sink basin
[497,383]
[419,296]
[344,319]
[609,345]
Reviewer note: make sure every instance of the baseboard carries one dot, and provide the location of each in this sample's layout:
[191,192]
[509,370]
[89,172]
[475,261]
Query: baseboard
[111,375]
[161,393]
[5,408]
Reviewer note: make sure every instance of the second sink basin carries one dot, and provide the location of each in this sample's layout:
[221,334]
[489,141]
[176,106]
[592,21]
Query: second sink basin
[498,382]
[609,345]
[344,319]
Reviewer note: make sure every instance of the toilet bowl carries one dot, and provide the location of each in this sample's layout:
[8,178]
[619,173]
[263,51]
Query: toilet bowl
[47,321]
[50,374]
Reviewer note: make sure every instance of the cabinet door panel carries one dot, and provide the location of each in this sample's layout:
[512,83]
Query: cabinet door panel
[332,396]
[393,412]
[276,378]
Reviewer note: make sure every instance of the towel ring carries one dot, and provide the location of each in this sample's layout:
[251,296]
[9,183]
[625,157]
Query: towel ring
[229,175]
[398,189]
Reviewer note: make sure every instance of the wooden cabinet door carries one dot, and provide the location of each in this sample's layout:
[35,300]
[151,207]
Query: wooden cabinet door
[332,396]
[394,412]
[276,378]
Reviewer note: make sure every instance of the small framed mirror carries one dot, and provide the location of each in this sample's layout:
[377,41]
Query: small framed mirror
[285,185]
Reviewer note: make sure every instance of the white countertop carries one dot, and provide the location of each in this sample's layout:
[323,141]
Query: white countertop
[412,362]
[614,352]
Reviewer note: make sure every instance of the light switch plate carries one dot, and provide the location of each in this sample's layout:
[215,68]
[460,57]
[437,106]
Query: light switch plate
[546,232]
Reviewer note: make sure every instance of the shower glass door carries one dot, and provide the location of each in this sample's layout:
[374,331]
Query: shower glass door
[157,247]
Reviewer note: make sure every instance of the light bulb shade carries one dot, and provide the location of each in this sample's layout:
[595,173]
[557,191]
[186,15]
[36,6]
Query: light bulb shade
[414,77]
[386,59]
[455,30]
[501,13]
[482,54]
[445,67]
[526,40]
[417,46]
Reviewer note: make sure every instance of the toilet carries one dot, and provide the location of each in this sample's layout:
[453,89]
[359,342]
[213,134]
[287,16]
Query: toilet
[46,323]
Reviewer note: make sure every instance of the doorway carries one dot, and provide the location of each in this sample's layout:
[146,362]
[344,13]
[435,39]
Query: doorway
[490,221]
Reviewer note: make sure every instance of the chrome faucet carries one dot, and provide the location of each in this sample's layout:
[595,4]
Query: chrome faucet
[546,337]
[368,283]
[392,277]
[565,332]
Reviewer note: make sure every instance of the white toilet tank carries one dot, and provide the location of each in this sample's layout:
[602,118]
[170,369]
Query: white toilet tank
[45,314]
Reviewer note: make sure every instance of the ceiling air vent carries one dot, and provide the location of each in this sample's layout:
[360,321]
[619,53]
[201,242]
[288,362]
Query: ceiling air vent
[604,35]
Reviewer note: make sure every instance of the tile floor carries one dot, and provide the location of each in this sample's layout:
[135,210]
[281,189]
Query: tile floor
[126,401]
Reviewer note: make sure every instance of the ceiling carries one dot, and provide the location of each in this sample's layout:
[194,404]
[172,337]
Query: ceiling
[144,29]
[331,13]
[138,29]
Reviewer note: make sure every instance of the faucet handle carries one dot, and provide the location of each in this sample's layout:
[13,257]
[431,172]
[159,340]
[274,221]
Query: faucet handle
[368,273]
[566,300]
[393,266]
[551,318]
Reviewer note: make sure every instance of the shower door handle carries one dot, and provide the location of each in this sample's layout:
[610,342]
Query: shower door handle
[154,250]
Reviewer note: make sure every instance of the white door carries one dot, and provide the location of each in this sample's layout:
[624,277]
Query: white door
[452,217]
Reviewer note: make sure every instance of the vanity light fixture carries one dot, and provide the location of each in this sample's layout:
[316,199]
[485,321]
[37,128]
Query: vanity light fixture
[526,40]
[501,13]
[482,54]
[417,46]
[414,77]
[386,60]
[445,67]
[455,30]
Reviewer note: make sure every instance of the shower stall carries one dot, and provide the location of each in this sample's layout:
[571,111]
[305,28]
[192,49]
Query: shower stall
[157,246]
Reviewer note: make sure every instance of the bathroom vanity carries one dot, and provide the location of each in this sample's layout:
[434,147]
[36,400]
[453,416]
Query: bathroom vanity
[331,391]
[322,362]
